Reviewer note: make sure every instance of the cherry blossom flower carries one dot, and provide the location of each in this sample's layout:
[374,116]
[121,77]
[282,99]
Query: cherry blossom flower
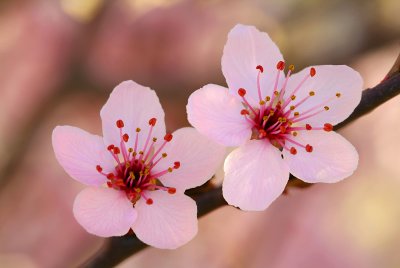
[281,122]
[136,173]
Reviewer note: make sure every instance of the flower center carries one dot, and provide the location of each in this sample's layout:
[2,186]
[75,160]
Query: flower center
[134,171]
[276,118]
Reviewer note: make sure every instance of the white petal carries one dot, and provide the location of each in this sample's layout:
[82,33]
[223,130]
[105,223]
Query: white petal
[333,158]
[135,105]
[199,158]
[104,212]
[245,49]
[79,152]
[216,114]
[170,222]
[255,175]
[329,80]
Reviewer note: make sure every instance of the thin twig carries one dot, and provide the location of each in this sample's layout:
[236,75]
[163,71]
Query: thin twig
[117,249]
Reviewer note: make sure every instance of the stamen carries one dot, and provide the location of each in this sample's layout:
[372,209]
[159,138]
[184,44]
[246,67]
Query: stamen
[312,71]
[242,93]
[293,151]
[260,68]
[120,123]
[280,65]
[99,168]
[328,127]
[168,137]
[177,164]
[309,148]
[171,190]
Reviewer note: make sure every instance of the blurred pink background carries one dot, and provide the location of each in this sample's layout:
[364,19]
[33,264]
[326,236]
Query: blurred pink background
[59,60]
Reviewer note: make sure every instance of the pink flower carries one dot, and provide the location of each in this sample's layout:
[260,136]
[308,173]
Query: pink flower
[281,123]
[136,173]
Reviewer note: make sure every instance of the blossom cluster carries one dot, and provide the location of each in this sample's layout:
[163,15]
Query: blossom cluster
[278,123]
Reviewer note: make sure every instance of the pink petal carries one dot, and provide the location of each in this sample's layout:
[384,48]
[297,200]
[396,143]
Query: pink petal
[104,212]
[199,158]
[255,175]
[79,152]
[245,49]
[327,82]
[333,158]
[135,105]
[216,114]
[170,222]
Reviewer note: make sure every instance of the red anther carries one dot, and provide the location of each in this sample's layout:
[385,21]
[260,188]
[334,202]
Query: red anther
[177,164]
[149,201]
[293,151]
[116,150]
[125,137]
[260,68]
[309,148]
[168,137]
[120,123]
[312,71]
[152,121]
[99,168]
[110,176]
[244,112]
[280,65]
[283,129]
[110,147]
[262,132]
[328,127]
[308,127]
[241,92]
[109,184]
[171,190]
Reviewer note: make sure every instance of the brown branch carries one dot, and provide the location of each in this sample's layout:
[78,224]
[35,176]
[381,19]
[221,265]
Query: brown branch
[117,249]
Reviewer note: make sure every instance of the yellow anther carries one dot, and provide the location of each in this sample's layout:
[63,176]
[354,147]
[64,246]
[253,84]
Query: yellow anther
[138,129]
[127,165]
[130,150]
[293,97]
[338,95]
[262,102]
[164,155]
[134,154]
[153,181]
[292,107]
[154,139]
[283,119]
[267,98]
[138,190]
[276,93]
[132,175]
[294,133]
[290,123]
[312,93]
[140,152]
[170,169]
[271,112]
[265,118]
[326,108]
[296,113]
[291,67]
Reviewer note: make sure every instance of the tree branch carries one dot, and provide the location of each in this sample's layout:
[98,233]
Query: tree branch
[117,249]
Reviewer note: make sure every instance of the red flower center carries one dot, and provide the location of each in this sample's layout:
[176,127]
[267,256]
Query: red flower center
[134,171]
[276,118]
